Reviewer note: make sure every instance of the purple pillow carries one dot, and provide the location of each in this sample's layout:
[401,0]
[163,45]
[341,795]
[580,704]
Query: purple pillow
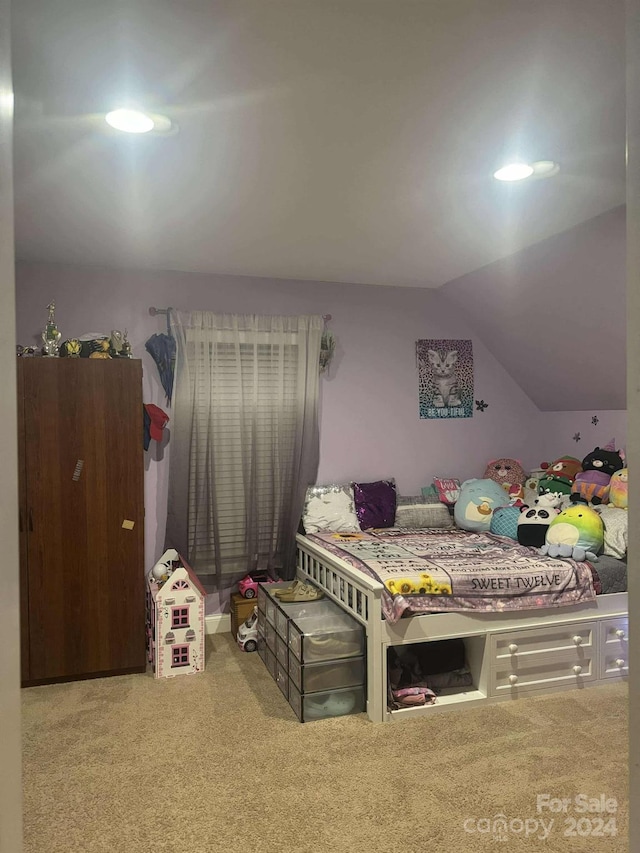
[375,503]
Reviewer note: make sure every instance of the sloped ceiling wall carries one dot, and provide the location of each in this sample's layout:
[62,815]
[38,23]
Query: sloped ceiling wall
[554,315]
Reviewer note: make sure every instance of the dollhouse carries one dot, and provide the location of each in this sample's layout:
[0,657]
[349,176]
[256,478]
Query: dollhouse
[175,622]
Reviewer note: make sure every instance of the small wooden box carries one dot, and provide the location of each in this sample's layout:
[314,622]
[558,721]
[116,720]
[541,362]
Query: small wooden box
[241,608]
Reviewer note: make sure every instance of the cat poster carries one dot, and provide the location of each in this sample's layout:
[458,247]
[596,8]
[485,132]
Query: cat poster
[445,376]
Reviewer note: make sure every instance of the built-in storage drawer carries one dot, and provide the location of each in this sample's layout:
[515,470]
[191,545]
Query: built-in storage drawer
[615,647]
[325,632]
[542,670]
[536,641]
[330,703]
[332,675]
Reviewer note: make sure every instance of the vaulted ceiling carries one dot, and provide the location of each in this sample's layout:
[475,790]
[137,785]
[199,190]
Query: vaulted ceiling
[337,140]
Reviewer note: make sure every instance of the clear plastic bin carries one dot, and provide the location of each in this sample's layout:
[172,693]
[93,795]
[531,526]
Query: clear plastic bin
[330,703]
[325,632]
[332,675]
[282,652]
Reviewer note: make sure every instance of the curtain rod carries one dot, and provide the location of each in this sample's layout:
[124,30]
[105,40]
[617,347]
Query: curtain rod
[153,311]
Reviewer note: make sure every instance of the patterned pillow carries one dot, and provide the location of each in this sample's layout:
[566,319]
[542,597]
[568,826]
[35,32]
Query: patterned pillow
[448,489]
[420,512]
[375,503]
[330,507]
[616,523]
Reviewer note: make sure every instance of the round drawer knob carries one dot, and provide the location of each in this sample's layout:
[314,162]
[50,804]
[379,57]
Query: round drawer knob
[621,634]
[577,640]
[620,662]
[513,679]
[513,648]
[577,670]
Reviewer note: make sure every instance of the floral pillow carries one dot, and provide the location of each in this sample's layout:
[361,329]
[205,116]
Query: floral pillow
[330,507]
[375,503]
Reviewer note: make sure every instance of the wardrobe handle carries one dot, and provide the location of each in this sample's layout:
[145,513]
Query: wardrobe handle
[30,520]
[20,520]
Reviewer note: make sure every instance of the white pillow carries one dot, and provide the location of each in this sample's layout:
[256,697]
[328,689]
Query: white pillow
[616,522]
[330,507]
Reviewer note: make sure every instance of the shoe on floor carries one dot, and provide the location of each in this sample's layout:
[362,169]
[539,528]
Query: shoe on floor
[303,592]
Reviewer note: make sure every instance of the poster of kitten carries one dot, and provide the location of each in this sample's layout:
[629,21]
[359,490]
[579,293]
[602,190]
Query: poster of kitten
[445,375]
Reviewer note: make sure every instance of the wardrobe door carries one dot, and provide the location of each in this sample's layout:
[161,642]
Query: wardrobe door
[85,516]
[22,521]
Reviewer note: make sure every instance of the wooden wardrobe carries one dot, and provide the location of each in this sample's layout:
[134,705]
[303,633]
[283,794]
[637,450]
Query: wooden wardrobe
[81,458]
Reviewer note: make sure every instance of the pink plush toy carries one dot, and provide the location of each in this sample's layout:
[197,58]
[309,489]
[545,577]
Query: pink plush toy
[505,472]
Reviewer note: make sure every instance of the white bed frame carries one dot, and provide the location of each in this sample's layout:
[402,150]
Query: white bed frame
[509,654]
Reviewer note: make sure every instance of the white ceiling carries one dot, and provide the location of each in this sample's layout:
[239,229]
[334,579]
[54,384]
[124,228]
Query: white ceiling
[335,140]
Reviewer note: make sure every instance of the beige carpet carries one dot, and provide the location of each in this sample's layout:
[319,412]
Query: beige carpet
[217,761]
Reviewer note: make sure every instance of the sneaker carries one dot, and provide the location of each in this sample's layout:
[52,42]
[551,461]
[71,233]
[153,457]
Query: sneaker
[303,592]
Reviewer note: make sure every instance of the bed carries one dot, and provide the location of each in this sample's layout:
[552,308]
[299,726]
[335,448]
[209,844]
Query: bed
[566,628]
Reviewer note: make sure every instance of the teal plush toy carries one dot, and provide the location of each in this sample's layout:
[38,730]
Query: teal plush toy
[577,532]
[504,521]
[478,499]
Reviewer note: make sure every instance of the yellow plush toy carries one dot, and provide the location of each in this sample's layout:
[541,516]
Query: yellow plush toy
[618,489]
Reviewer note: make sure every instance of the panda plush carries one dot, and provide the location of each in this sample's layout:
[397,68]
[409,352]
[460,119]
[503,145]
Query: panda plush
[534,522]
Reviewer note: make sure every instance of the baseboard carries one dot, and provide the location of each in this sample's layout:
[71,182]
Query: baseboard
[217,623]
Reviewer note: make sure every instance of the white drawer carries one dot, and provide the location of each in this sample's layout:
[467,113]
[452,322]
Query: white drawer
[559,640]
[615,647]
[542,670]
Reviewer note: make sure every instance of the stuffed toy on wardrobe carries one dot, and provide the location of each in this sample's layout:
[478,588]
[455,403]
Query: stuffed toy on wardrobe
[592,483]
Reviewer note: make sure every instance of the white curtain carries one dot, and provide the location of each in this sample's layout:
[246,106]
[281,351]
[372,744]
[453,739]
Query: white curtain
[244,440]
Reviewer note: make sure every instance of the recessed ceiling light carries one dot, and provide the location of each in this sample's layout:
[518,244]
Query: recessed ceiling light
[514,172]
[130,121]
[545,168]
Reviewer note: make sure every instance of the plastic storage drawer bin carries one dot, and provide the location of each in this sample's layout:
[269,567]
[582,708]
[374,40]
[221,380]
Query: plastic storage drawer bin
[325,632]
[332,675]
[330,703]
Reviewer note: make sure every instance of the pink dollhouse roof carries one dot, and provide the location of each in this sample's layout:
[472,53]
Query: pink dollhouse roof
[193,577]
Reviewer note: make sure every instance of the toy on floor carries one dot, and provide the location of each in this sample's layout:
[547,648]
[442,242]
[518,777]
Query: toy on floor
[618,489]
[559,476]
[506,473]
[247,637]
[175,618]
[577,532]
[477,501]
[592,483]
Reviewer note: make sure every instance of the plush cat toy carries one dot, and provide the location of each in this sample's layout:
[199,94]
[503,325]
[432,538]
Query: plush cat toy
[559,476]
[577,532]
[506,473]
[477,501]
[592,483]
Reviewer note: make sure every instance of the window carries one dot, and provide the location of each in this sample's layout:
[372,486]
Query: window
[180,656]
[181,584]
[179,617]
[245,440]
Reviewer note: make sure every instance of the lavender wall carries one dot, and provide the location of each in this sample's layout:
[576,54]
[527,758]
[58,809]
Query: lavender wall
[554,315]
[370,426]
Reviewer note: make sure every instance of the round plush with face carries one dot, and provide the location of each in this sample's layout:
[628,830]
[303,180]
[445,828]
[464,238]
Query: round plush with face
[578,526]
[505,472]
[559,476]
[533,524]
[477,501]
[618,489]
